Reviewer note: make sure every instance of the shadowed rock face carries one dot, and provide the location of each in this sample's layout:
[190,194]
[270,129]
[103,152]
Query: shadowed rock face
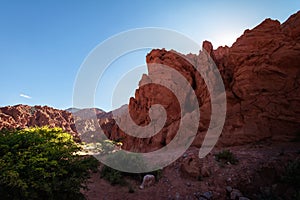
[261,74]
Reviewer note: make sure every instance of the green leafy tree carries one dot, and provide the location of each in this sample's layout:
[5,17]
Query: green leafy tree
[41,163]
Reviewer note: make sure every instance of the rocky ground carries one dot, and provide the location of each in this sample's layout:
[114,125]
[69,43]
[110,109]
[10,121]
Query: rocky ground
[257,175]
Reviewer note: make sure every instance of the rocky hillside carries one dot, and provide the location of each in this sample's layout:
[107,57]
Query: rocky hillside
[23,116]
[261,74]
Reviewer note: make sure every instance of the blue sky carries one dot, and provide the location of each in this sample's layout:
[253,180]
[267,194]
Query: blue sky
[43,43]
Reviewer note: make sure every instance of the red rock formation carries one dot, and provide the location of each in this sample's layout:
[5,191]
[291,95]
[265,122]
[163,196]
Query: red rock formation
[263,100]
[261,73]
[23,116]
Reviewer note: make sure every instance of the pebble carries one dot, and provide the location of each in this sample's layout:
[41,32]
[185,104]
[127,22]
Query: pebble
[229,189]
[235,194]
[197,194]
[207,195]
[177,196]
[243,198]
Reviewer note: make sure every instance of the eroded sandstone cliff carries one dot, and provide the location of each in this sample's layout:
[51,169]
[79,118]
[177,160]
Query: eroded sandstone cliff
[261,74]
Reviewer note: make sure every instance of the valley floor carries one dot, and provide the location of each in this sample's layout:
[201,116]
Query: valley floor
[258,175]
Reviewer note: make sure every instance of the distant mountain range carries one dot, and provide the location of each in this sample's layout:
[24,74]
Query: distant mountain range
[72,110]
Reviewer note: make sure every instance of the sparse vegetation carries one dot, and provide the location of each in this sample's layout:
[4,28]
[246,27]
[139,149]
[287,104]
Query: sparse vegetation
[113,176]
[40,163]
[157,174]
[116,177]
[226,156]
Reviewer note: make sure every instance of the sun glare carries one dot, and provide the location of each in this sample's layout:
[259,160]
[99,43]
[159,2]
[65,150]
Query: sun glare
[224,39]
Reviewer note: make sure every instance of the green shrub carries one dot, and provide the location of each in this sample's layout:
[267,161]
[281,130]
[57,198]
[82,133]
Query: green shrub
[116,177]
[113,176]
[157,173]
[127,161]
[40,163]
[226,156]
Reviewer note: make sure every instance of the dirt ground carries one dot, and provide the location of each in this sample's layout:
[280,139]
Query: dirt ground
[256,175]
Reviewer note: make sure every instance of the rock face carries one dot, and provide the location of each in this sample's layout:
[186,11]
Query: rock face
[261,74]
[263,69]
[23,116]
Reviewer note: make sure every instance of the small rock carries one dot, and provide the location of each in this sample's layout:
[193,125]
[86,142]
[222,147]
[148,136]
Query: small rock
[243,198]
[148,181]
[274,186]
[188,197]
[188,184]
[267,190]
[177,196]
[229,189]
[191,166]
[205,172]
[207,195]
[235,194]
[197,195]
